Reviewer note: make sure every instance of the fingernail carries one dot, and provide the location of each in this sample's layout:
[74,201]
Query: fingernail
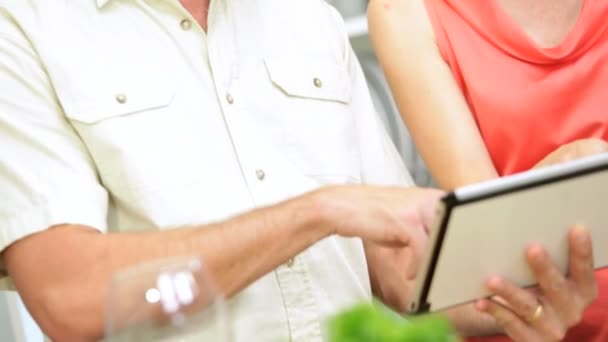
[535,253]
[481,305]
[582,234]
[495,284]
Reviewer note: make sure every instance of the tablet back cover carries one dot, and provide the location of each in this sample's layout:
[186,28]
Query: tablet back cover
[488,236]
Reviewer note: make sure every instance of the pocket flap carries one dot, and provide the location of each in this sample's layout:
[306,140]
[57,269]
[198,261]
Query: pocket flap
[310,78]
[121,97]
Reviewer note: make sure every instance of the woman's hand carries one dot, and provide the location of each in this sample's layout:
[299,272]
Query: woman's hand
[574,150]
[546,313]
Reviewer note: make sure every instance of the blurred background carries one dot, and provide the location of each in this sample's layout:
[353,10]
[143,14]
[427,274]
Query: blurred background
[16,324]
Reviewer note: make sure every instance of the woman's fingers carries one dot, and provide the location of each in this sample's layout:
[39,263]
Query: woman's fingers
[568,296]
[537,315]
[512,324]
[556,289]
[546,313]
[519,300]
[580,264]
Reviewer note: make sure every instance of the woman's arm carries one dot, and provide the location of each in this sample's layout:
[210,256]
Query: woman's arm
[427,95]
[434,109]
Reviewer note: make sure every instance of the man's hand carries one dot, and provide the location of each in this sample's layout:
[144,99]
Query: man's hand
[391,272]
[394,224]
[574,150]
[237,251]
[390,216]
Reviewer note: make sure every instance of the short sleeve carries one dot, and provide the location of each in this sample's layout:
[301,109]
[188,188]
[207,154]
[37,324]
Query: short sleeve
[47,177]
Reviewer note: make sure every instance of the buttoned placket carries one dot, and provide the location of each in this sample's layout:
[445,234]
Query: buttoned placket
[293,278]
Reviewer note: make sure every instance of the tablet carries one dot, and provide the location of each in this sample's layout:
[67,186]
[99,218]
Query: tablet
[483,230]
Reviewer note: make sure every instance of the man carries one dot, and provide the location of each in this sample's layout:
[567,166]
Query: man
[224,143]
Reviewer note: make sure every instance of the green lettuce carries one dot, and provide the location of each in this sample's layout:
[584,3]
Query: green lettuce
[376,323]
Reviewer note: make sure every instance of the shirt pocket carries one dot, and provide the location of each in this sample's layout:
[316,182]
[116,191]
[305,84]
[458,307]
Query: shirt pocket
[126,123]
[316,115]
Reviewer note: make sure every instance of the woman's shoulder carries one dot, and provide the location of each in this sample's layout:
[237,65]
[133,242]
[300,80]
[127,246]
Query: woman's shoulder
[404,20]
[407,19]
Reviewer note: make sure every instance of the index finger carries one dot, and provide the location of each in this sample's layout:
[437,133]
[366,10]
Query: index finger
[580,264]
[418,245]
[429,206]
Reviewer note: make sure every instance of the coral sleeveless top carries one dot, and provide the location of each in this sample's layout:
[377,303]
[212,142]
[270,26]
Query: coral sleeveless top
[528,100]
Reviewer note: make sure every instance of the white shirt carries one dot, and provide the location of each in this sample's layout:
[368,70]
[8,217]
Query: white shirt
[125,116]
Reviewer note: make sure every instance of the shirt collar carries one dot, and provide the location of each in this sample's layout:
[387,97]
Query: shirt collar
[101,3]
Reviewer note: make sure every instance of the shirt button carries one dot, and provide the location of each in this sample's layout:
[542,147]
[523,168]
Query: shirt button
[290,262]
[317,82]
[186,24]
[230,99]
[121,98]
[260,174]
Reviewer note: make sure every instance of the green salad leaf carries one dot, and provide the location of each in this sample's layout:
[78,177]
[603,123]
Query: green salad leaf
[376,323]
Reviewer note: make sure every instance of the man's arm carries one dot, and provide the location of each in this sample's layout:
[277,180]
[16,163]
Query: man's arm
[62,273]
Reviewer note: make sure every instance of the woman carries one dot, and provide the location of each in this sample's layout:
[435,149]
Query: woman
[489,88]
